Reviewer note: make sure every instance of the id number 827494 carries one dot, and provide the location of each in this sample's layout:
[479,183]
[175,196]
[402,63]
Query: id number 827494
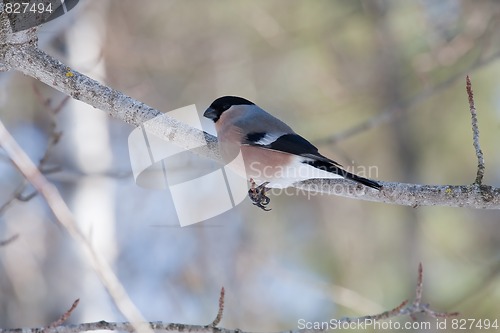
[27,7]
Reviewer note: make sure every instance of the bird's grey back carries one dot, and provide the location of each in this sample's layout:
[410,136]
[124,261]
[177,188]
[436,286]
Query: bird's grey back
[255,120]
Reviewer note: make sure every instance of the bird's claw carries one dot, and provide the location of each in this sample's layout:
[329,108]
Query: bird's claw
[258,195]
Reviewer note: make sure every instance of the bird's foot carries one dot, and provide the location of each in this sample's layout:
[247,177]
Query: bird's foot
[258,195]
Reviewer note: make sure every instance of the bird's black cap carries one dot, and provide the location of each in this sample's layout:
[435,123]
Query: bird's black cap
[223,103]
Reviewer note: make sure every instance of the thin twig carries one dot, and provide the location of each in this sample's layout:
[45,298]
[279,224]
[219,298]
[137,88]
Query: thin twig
[65,315]
[384,315]
[9,240]
[54,138]
[26,197]
[475,133]
[17,193]
[417,306]
[406,308]
[221,309]
[420,284]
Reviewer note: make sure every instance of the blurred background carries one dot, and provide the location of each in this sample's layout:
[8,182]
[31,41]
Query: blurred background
[372,83]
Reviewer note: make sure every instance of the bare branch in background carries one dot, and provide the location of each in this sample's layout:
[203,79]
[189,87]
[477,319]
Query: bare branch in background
[475,133]
[393,113]
[64,216]
[404,309]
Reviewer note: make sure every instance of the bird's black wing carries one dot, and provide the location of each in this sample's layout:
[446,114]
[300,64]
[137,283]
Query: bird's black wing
[297,145]
[288,143]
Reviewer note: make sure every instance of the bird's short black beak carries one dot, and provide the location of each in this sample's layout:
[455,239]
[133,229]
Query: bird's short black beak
[211,114]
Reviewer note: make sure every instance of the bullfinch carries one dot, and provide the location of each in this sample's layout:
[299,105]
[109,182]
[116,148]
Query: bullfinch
[272,153]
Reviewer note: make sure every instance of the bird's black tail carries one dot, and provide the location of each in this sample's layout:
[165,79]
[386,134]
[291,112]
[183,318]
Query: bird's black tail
[361,180]
[333,168]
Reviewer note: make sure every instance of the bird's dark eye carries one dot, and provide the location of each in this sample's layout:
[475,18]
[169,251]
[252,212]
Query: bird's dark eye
[225,107]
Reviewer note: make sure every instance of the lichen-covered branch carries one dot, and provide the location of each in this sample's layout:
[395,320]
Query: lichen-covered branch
[21,53]
[413,195]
